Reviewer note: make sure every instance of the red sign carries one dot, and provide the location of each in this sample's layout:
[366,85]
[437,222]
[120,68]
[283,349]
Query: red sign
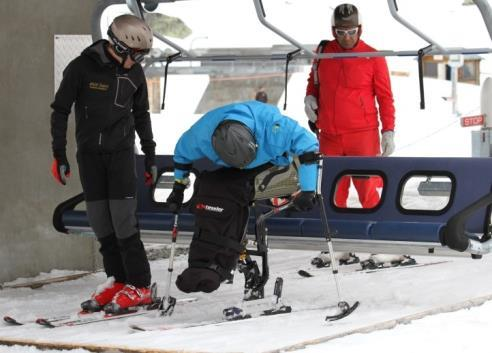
[473,120]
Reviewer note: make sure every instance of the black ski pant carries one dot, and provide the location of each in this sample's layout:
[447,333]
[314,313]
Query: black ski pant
[109,184]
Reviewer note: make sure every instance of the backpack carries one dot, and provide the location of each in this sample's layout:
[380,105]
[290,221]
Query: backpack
[314,68]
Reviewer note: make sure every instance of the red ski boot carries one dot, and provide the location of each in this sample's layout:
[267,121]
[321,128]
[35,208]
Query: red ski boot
[129,297]
[102,296]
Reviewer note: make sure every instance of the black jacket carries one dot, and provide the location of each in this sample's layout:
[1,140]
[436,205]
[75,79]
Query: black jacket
[110,104]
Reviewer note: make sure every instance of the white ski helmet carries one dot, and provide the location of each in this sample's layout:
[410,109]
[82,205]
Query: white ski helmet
[132,31]
[346,15]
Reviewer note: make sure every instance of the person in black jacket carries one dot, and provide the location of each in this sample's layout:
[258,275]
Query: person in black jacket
[108,86]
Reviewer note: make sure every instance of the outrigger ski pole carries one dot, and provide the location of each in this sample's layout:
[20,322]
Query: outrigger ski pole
[168,303]
[343,306]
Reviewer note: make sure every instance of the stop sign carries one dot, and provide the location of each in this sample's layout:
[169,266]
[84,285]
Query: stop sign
[473,120]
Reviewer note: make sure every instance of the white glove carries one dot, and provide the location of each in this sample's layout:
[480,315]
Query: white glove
[388,143]
[311,108]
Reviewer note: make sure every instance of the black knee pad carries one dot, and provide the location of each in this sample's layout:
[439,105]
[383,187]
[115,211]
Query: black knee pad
[198,280]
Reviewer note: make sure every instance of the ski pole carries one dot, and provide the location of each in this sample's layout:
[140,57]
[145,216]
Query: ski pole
[345,308]
[171,301]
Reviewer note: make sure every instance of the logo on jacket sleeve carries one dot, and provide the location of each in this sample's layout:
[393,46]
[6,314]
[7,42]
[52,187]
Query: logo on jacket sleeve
[205,207]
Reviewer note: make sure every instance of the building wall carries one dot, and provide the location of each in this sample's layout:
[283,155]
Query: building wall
[28,194]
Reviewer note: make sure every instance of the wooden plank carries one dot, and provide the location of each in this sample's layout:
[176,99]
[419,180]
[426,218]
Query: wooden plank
[90,347]
[40,283]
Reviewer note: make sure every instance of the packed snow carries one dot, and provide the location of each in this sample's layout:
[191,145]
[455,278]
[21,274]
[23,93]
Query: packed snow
[384,295]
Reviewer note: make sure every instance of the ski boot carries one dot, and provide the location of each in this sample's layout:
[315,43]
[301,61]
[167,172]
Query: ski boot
[377,261]
[253,288]
[102,296]
[344,258]
[130,297]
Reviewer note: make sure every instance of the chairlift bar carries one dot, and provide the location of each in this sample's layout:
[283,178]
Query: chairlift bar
[261,16]
[484,7]
[136,8]
[282,57]
[173,45]
[397,17]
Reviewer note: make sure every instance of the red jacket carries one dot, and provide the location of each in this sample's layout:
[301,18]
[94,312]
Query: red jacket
[346,92]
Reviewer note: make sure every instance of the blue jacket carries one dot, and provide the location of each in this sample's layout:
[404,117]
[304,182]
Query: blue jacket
[278,137]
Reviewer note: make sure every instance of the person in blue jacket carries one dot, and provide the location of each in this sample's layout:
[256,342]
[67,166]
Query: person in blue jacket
[246,135]
[244,138]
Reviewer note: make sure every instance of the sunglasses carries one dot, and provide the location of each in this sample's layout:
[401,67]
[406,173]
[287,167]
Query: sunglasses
[350,31]
[122,49]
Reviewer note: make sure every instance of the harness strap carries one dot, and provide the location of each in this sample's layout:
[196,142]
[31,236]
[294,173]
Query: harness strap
[223,273]
[182,166]
[319,50]
[309,158]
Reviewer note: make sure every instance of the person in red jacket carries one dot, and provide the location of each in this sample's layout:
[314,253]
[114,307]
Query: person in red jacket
[341,100]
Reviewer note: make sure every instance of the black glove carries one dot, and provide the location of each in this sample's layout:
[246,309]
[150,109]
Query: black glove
[304,201]
[150,170]
[175,199]
[313,127]
[60,168]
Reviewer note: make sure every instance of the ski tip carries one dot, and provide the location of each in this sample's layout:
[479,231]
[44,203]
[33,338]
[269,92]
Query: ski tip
[44,322]
[10,320]
[305,274]
[137,328]
[346,310]
[187,300]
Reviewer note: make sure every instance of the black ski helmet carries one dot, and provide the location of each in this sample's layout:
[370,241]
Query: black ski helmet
[234,143]
[346,15]
[261,96]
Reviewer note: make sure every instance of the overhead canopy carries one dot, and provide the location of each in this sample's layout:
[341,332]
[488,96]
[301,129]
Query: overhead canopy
[292,24]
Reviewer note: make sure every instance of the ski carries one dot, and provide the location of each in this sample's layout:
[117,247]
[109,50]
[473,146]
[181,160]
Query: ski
[248,309]
[167,327]
[400,267]
[14,322]
[84,318]
[92,318]
[170,326]
[307,274]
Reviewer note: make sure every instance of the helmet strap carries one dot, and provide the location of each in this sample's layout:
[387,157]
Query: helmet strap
[123,54]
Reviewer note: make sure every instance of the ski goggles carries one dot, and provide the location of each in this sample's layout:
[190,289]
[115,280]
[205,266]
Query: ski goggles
[341,32]
[122,49]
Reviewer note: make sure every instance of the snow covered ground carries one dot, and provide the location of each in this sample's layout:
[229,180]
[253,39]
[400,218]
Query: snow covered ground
[384,296]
